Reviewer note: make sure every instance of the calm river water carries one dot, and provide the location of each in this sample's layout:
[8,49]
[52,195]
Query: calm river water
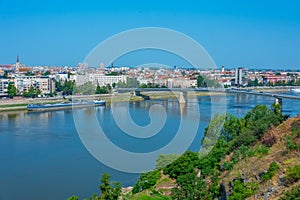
[42,156]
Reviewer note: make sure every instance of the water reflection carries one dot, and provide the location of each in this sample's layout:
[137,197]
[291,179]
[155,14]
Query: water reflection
[43,148]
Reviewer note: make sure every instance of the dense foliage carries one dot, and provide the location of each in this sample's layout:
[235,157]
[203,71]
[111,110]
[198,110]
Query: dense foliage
[203,81]
[32,93]
[109,192]
[185,164]
[293,194]
[65,87]
[103,89]
[293,174]
[130,83]
[242,190]
[146,181]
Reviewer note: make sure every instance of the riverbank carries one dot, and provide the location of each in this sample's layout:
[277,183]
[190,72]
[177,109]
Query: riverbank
[21,104]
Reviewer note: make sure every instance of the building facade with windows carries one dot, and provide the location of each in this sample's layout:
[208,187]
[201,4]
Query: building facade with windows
[45,84]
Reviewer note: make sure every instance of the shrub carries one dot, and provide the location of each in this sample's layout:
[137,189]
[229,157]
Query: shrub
[227,166]
[290,143]
[146,181]
[293,174]
[242,190]
[293,194]
[271,171]
[296,130]
[261,150]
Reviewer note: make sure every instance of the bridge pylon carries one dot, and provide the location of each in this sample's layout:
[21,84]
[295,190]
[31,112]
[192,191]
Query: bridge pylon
[183,96]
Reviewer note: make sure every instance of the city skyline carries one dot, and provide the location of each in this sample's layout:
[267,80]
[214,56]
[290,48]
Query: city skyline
[247,34]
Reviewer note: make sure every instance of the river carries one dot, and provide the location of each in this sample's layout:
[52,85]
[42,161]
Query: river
[42,156]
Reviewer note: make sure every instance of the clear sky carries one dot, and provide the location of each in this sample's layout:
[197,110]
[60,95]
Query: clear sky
[249,33]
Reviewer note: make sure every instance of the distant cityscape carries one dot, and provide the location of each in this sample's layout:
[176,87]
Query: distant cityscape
[38,81]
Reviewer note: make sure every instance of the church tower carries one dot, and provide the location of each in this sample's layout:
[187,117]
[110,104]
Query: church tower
[17,64]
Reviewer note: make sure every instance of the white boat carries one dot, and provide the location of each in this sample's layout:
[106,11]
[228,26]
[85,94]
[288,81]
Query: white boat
[100,102]
[296,90]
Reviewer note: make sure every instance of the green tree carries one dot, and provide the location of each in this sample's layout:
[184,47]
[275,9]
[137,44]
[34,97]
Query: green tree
[46,73]
[29,73]
[73,198]
[98,89]
[112,74]
[130,83]
[5,75]
[30,93]
[109,192]
[200,81]
[190,187]
[68,87]
[38,92]
[185,164]
[58,86]
[143,85]
[11,90]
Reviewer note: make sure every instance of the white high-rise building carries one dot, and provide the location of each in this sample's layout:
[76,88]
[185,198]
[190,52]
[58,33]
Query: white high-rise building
[241,78]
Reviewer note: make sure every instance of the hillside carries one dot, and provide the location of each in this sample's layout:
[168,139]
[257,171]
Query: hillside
[255,157]
[284,152]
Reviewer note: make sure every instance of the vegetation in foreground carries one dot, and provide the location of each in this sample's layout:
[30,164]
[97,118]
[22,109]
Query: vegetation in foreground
[254,157]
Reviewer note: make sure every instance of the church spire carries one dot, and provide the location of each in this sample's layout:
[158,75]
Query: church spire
[17,64]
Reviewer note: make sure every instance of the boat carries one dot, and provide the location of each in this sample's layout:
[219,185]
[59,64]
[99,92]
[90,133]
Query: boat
[100,102]
[63,105]
[296,90]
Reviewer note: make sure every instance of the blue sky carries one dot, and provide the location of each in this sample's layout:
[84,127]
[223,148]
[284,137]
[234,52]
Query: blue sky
[254,34]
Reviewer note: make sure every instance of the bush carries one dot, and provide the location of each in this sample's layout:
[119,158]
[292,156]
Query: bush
[293,174]
[296,128]
[290,143]
[146,181]
[227,166]
[271,172]
[261,150]
[242,190]
[187,163]
[293,194]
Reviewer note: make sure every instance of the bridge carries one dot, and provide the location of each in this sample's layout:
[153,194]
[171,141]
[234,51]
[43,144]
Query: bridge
[278,97]
[282,96]
[183,93]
